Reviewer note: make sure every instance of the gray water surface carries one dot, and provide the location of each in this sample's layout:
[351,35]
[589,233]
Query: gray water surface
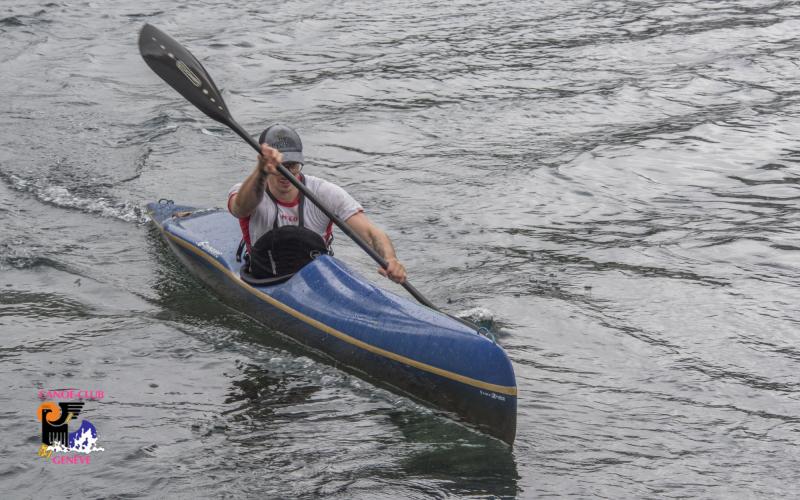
[616,182]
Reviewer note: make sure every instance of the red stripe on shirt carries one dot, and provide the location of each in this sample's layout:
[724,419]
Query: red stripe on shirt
[244,223]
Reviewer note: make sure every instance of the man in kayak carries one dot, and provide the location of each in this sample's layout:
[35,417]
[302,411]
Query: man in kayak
[266,200]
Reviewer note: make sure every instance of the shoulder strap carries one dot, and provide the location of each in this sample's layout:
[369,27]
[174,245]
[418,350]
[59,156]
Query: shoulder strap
[277,210]
[301,206]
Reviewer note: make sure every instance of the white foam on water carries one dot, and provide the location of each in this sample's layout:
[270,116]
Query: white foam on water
[477,314]
[63,197]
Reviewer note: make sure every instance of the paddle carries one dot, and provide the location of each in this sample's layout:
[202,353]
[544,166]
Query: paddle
[183,72]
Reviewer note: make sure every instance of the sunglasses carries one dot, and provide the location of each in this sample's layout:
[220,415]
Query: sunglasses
[293,167]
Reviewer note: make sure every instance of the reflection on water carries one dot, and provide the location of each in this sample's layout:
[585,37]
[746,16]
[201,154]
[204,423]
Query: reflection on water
[452,457]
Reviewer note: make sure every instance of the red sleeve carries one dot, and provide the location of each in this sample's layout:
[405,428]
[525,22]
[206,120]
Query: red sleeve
[230,197]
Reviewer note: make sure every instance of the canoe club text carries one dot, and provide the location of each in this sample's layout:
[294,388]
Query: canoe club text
[69,459]
[71,394]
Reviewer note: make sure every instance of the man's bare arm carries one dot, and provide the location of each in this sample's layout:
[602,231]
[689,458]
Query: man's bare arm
[381,243]
[252,191]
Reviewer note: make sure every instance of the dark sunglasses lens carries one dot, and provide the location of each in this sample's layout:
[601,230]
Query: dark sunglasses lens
[294,167]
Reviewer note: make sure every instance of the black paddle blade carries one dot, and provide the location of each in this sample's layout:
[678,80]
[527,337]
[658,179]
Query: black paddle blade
[183,72]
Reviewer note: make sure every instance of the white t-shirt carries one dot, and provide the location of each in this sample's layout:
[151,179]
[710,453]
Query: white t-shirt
[334,198]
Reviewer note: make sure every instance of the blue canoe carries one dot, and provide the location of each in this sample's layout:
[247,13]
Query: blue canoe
[331,309]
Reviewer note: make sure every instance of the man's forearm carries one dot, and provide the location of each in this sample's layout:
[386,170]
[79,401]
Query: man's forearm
[394,270]
[381,243]
[250,194]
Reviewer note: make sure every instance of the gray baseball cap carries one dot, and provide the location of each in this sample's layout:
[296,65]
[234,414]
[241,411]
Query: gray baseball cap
[286,140]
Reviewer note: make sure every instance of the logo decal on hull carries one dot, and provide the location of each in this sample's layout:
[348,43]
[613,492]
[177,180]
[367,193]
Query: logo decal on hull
[493,395]
[210,249]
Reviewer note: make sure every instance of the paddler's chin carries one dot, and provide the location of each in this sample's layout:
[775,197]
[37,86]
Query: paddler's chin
[280,186]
